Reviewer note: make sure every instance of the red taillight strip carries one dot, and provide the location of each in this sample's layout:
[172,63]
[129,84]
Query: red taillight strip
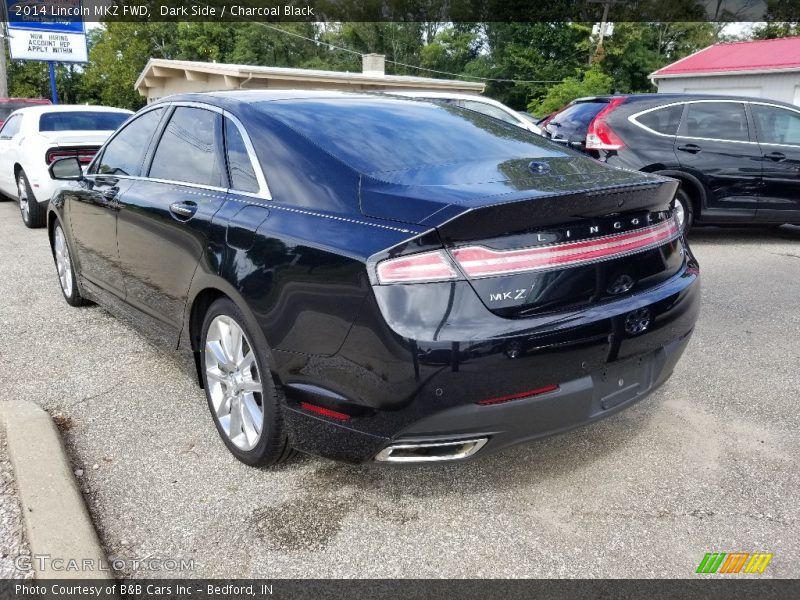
[325,412]
[537,392]
[478,261]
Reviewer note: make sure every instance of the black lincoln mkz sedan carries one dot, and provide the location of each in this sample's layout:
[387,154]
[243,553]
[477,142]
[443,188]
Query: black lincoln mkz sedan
[369,277]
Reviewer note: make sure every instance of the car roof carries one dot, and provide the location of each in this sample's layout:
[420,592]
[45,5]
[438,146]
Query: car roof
[54,108]
[679,97]
[445,96]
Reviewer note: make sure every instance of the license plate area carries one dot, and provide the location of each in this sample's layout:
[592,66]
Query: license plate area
[620,383]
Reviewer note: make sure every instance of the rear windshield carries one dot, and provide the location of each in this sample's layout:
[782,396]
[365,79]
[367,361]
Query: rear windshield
[376,135]
[578,116]
[81,121]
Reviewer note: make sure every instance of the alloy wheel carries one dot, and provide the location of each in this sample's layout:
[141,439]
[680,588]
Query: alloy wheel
[63,263]
[22,192]
[680,214]
[234,382]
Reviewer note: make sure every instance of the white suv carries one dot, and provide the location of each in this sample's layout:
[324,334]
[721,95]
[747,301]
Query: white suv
[31,138]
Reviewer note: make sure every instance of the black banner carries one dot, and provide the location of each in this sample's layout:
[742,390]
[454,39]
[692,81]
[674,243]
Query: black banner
[407,589]
[407,10]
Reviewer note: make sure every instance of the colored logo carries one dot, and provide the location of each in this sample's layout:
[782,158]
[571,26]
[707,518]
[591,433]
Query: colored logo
[734,562]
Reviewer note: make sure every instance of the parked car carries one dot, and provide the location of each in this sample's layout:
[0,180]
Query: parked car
[9,105]
[376,278]
[31,138]
[737,158]
[480,104]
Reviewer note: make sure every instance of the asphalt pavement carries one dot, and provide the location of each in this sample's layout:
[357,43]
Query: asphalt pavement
[707,464]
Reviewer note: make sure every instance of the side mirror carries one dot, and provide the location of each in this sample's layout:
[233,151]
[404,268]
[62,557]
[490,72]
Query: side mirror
[66,169]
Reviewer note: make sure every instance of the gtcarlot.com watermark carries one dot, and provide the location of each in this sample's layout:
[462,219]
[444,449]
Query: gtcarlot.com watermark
[45,562]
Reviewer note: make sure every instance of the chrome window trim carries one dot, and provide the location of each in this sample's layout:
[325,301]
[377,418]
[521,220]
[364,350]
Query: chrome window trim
[263,192]
[633,120]
[263,187]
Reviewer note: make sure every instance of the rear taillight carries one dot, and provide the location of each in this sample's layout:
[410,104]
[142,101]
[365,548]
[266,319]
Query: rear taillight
[83,156]
[417,268]
[479,261]
[599,135]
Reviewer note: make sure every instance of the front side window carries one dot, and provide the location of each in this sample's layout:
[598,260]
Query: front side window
[664,120]
[124,153]
[188,150]
[240,168]
[776,125]
[717,120]
[10,127]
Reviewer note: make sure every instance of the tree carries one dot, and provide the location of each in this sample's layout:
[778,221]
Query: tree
[637,49]
[592,82]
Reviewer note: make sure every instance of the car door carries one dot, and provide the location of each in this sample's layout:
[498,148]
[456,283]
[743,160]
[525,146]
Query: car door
[165,216]
[778,132]
[8,143]
[714,143]
[93,207]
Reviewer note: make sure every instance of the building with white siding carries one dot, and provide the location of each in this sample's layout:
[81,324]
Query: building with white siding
[767,69]
[162,77]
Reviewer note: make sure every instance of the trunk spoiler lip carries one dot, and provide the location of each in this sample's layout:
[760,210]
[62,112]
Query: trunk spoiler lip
[524,196]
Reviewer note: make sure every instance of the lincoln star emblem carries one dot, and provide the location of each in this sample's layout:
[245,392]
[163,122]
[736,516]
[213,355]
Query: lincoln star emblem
[539,168]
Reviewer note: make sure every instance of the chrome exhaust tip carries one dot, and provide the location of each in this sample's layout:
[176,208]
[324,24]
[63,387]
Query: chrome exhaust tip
[430,451]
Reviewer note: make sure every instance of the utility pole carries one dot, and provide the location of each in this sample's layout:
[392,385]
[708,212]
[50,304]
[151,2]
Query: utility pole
[3,70]
[607,4]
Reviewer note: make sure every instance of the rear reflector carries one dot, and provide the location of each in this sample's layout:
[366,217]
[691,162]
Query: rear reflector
[426,266]
[520,395]
[478,261]
[325,412]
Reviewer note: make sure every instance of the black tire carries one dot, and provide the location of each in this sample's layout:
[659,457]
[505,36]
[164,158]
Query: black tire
[35,216]
[272,446]
[63,257]
[685,201]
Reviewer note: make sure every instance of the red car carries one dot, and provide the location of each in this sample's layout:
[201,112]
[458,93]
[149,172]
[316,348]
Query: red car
[9,105]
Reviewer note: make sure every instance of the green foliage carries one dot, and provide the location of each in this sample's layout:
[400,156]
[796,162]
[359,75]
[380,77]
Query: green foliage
[537,65]
[592,82]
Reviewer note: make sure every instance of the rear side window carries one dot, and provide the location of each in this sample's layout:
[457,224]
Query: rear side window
[488,109]
[188,150]
[240,168]
[664,120]
[10,127]
[717,120]
[124,153]
[776,125]
[81,121]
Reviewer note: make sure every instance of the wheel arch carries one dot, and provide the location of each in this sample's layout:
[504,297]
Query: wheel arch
[692,185]
[202,296]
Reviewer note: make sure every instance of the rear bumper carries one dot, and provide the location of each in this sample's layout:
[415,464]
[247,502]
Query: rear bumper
[577,402]
[402,390]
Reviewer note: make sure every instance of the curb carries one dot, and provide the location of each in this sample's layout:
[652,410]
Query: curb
[56,520]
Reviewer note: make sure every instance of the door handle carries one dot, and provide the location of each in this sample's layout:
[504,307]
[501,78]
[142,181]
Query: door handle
[776,156]
[691,148]
[183,210]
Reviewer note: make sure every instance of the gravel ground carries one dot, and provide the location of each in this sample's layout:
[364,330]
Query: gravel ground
[12,530]
[708,463]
